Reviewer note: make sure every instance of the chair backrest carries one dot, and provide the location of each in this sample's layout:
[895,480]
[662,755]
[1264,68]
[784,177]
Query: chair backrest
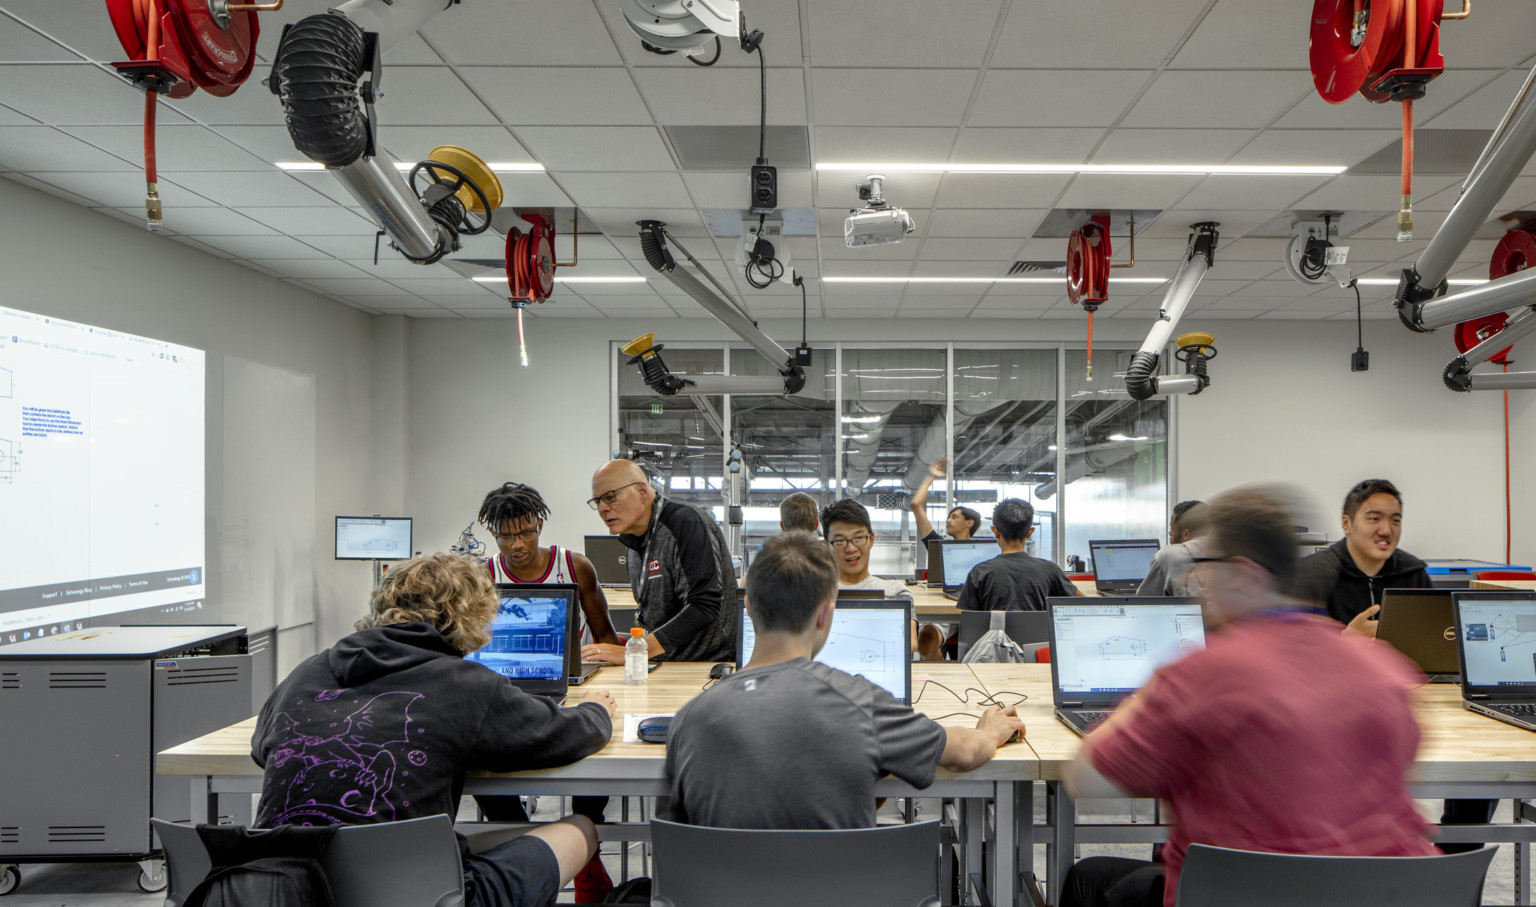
[1496,575]
[1219,877]
[412,863]
[1023,627]
[703,867]
[1043,655]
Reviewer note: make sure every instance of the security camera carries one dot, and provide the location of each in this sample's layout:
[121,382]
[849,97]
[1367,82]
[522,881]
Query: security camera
[877,222]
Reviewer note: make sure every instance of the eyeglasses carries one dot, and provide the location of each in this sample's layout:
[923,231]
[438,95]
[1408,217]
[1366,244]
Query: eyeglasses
[527,535]
[608,497]
[858,541]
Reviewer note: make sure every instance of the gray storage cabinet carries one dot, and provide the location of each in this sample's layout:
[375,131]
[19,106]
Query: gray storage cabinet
[83,715]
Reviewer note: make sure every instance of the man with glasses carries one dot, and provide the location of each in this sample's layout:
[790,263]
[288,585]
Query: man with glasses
[680,576]
[849,531]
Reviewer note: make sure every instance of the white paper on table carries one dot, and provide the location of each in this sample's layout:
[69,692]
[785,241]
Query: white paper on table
[632,725]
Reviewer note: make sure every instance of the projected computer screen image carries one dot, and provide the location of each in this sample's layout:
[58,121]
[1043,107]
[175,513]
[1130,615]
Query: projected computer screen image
[1115,648]
[101,476]
[869,642]
[364,538]
[959,558]
[527,638]
[1498,641]
[1129,560]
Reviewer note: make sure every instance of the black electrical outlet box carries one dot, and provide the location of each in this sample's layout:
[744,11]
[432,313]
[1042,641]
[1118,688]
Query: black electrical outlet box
[765,188]
[802,356]
[1359,361]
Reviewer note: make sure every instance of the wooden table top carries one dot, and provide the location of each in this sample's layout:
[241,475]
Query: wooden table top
[227,751]
[1454,744]
[1524,585]
[927,601]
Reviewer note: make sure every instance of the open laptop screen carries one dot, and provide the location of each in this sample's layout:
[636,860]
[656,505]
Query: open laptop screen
[1497,638]
[959,557]
[1123,559]
[870,639]
[528,636]
[1109,649]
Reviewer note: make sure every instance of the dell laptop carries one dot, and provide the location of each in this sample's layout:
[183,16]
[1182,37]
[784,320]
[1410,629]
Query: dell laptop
[1496,647]
[536,639]
[951,560]
[1105,651]
[872,639]
[1419,624]
[1119,565]
[609,559]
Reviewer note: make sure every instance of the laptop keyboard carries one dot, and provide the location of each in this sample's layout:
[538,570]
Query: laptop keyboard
[1518,709]
[1092,717]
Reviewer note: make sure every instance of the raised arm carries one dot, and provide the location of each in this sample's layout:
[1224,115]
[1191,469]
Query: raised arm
[919,503]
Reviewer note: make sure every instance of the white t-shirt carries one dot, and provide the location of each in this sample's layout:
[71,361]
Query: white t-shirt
[893,588]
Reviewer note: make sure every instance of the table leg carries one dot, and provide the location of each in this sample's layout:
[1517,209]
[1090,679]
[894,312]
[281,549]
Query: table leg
[1063,838]
[973,816]
[203,803]
[1006,815]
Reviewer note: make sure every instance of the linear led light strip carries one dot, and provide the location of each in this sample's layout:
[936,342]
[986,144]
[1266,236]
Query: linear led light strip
[497,166]
[1393,281]
[1133,169]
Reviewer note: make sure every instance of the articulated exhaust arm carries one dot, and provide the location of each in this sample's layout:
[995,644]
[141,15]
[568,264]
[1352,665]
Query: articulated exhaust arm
[1195,349]
[1421,301]
[1458,373]
[647,354]
[316,71]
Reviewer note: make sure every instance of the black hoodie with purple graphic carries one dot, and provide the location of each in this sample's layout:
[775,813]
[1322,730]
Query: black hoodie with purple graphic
[384,725]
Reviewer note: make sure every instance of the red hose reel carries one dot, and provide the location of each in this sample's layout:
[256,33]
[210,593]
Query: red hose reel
[1358,46]
[1516,251]
[179,46]
[1088,253]
[531,261]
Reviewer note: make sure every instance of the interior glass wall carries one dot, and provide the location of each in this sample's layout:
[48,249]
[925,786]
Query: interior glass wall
[679,440]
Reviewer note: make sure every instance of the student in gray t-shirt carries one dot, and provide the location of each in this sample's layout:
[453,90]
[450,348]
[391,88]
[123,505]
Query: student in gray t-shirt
[787,742]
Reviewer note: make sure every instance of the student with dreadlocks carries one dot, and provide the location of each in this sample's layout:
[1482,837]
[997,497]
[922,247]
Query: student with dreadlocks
[515,515]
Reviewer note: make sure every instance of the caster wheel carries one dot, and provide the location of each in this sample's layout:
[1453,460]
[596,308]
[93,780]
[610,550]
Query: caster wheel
[10,879]
[152,876]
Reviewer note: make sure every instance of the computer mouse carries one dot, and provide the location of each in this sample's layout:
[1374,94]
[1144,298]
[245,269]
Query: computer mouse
[720,670]
[653,729]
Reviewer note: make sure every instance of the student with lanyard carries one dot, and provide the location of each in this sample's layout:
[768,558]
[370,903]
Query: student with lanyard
[515,514]
[1249,740]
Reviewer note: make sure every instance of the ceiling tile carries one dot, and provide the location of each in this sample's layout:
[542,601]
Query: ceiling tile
[972,249]
[1369,193]
[79,94]
[1239,193]
[853,144]
[1321,147]
[251,105]
[907,35]
[1061,97]
[1006,145]
[1086,33]
[204,222]
[9,117]
[532,190]
[1096,190]
[889,97]
[84,28]
[982,222]
[855,268]
[318,221]
[1487,36]
[1175,223]
[1472,112]
[176,147]
[25,180]
[242,189]
[430,96]
[597,148]
[715,96]
[122,190]
[1357,113]
[554,34]
[634,190]
[620,222]
[442,290]
[491,144]
[264,247]
[1000,190]
[268,143]
[19,44]
[305,268]
[1216,100]
[1170,146]
[904,189]
[43,148]
[1241,34]
[560,96]
[357,286]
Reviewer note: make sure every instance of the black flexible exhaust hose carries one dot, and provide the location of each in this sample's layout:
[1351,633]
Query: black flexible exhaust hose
[317,68]
[1138,378]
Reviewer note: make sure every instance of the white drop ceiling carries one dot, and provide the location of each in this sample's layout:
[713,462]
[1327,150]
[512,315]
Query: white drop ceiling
[567,84]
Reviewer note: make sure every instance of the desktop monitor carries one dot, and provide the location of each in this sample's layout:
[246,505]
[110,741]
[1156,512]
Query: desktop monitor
[373,538]
[1124,560]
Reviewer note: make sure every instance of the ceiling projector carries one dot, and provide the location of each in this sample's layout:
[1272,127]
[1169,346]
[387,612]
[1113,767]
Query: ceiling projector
[877,222]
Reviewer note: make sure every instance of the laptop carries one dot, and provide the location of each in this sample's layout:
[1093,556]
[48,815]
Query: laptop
[1419,624]
[1105,651]
[1496,648]
[950,560]
[1119,565]
[535,639]
[609,559]
[872,639]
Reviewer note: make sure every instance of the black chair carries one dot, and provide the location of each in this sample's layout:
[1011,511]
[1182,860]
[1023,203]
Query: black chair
[1027,628]
[1220,877]
[892,866]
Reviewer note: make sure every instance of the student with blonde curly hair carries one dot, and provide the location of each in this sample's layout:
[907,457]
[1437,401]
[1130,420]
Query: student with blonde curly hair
[385,724]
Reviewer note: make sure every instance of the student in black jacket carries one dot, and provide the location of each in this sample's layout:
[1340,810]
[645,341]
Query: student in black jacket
[385,724]
[1350,576]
